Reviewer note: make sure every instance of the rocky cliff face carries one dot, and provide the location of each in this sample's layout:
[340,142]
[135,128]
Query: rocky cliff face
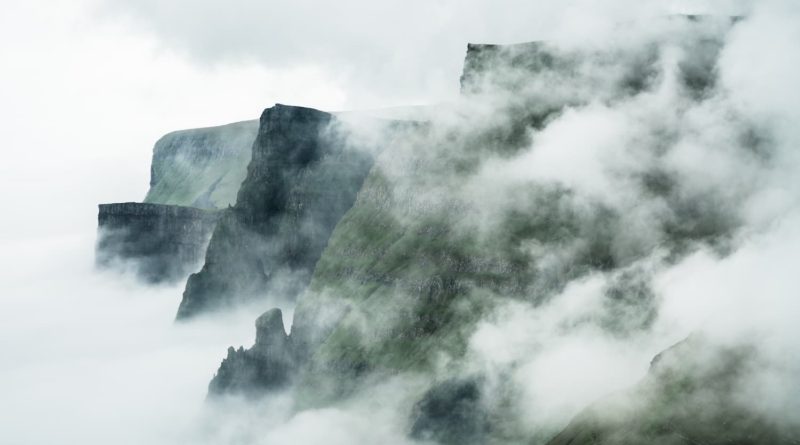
[303,176]
[161,243]
[201,167]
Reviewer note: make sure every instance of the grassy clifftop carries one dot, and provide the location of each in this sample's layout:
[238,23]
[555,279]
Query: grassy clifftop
[201,167]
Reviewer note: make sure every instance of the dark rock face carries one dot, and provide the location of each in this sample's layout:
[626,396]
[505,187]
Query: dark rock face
[201,167]
[268,365]
[451,413]
[163,243]
[303,176]
[688,397]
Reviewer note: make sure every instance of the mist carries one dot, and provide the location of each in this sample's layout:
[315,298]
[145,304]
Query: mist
[94,356]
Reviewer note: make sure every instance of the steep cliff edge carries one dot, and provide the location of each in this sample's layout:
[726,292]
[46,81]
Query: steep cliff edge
[201,167]
[160,243]
[303,176]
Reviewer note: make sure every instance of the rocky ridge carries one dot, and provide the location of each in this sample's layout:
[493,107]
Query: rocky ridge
[409,269]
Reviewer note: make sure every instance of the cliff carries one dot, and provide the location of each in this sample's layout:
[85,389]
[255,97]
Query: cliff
[201,167]
[160,243]
[434,243]
[426,251]
[303,176]
[488,66]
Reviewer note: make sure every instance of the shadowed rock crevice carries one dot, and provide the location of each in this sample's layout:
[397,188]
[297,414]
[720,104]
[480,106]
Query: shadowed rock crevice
[451,413]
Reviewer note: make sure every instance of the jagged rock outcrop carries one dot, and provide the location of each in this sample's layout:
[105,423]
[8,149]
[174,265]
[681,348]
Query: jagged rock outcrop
[269,365]
[201,167]
[434,242]
[160,243]
[693,394]
[303,176]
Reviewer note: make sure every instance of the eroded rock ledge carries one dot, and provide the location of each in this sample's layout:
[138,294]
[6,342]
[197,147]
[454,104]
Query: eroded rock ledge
[160,243]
